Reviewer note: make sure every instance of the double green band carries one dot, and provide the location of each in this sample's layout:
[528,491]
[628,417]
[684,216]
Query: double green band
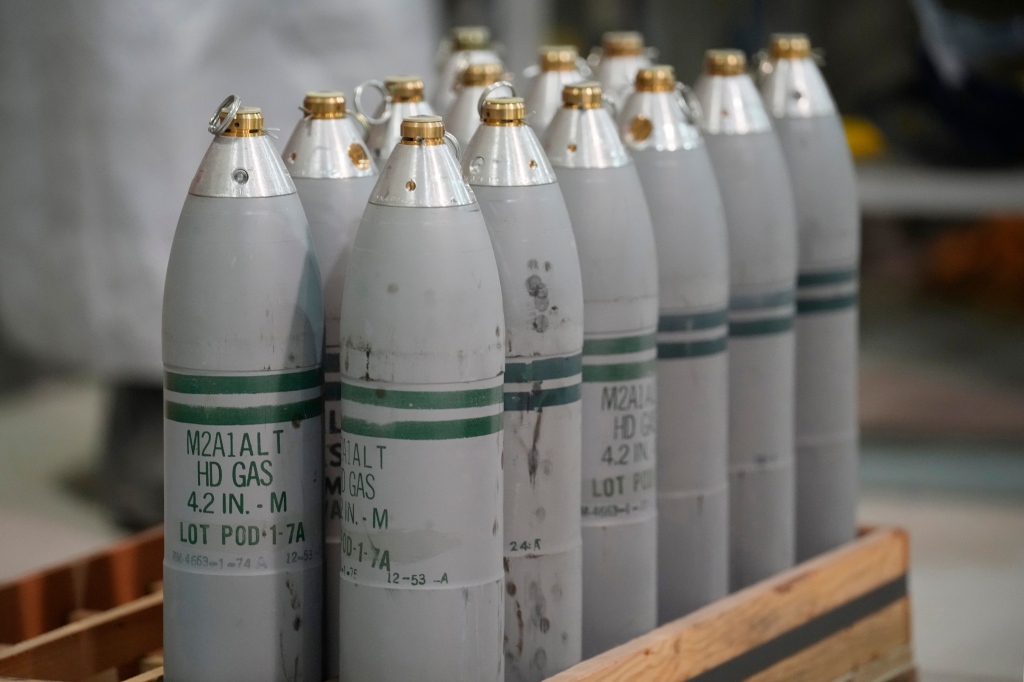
[692,322]
[542,370]
[234,385]
[521,401]
[243,416]
[824,305]
[691,349]
[618,346]
[422,400]
[415,430]
[626,371]
[817,279]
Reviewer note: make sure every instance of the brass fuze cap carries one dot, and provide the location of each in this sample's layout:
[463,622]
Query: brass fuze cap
[405,88]
[724,62]
[504,111]
[471,37]
[660,78]
[585,95]
[622,44]
[481,74]
[248,122]
[789,46]
[324,104]
[558,58]
[428,129]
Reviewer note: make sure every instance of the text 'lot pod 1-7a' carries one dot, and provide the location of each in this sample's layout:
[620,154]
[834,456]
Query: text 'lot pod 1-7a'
[619,269]
[543,297]
[242,343]
[828,217]
[658,126]
[758,201]
[333,174]
[422,371]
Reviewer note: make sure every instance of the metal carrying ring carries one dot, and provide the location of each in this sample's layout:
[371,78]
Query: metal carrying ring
[594,58]
[218,125]
[362,122]
[583,66]
[357,101]
[488,90]
[688,101]
[531,71]
[450,139]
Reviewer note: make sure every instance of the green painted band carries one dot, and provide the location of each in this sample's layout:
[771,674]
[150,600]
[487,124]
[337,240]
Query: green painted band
[442,430]
[774,325]
[542,370]
[772,299]
[235,384]
[692,322]
[691,349]
[521,401]
[817,279]
[622,372]
[422,400]
[824,305]
[617,346]
[243,416]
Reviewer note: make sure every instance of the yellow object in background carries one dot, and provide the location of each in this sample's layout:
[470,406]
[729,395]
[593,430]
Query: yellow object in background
[865,139]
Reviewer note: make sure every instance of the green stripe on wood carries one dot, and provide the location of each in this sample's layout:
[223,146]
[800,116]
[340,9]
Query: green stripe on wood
[542,370]
[409,430]
[535,400]
[774,325]
[817,279]
[824,305]
[692,322]
[620,372]
[618,346]
[691,349]
[421,400]
[234,384]
[243,416]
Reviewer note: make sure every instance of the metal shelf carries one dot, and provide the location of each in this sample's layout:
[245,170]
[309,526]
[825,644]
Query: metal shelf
[906,190]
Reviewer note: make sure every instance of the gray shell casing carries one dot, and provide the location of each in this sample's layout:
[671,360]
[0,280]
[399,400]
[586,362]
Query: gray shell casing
[231,260]
[759,215]
[693,406]
[825,192]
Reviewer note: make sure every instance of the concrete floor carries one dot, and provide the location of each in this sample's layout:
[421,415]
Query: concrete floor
[962,503]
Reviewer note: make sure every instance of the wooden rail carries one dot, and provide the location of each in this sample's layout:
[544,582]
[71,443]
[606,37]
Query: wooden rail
[842,616]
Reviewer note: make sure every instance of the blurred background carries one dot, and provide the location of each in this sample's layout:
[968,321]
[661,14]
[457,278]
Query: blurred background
[103,107]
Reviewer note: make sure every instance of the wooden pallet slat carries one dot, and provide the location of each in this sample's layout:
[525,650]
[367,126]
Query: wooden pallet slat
[42,601]
[844,616]
[111,639]
[756,628]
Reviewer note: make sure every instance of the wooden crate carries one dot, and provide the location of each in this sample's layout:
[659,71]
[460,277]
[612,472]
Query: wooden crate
[842,616]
